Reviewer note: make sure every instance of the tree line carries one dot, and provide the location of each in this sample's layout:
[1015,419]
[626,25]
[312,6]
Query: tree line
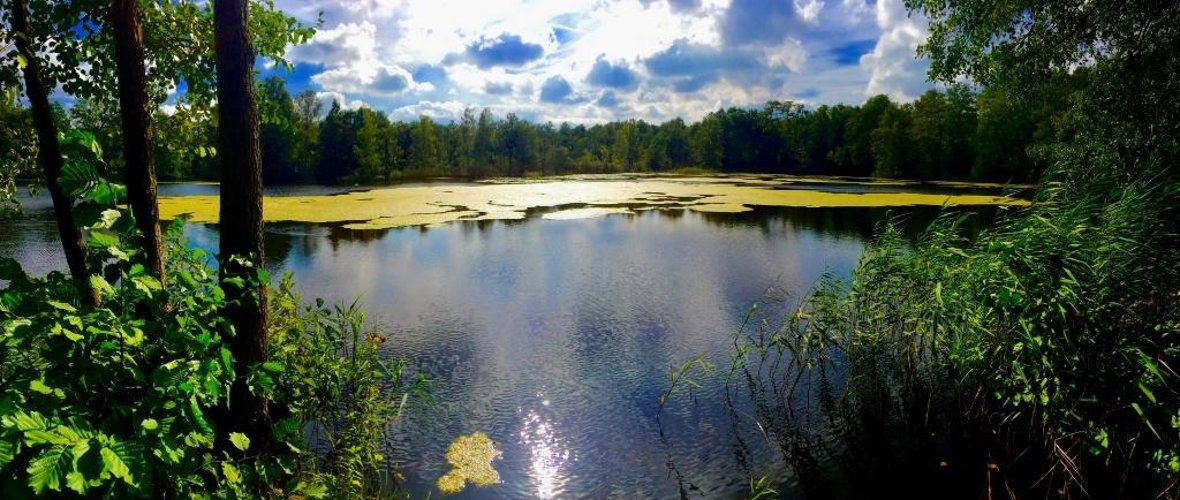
[957,134]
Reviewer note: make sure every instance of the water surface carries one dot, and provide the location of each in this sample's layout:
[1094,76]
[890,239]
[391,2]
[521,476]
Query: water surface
[555,336]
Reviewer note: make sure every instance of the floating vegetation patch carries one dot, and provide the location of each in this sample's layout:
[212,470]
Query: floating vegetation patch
[428,220]
[419,205]
[584,213]
[471,459]
[988,185]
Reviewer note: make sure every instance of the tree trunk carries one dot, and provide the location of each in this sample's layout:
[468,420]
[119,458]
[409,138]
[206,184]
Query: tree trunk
[241,212]
[49,155]
[137,131]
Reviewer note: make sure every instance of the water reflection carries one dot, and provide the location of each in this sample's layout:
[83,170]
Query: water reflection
[548,455]
[592,311]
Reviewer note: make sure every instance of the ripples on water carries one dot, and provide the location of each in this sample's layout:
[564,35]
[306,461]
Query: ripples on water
[555,337]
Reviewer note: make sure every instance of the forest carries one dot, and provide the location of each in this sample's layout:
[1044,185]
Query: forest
[960,134]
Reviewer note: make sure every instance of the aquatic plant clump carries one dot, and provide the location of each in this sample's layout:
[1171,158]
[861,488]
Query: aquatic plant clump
[471,459]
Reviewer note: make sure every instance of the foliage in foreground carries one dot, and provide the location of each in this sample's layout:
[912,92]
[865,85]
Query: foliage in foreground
[1041,358]
[337,386]
[118,399]
[1038,358]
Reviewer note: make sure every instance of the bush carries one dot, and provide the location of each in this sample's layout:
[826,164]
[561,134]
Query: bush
[118,399]
[340,391]
[115,398]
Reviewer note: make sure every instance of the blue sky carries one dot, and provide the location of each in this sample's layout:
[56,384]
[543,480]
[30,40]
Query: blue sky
[588,61]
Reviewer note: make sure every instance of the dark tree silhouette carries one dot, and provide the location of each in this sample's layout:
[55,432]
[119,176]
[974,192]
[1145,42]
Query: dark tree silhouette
[49,155]
[241,213]
[140,172]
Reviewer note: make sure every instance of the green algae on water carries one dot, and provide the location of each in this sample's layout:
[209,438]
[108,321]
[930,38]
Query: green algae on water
[471,459]
[410,206]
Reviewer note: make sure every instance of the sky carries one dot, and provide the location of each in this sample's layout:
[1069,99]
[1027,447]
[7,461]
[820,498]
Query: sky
[590,61]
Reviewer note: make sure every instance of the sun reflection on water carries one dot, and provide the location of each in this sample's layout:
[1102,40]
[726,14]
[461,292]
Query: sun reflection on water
[547,454]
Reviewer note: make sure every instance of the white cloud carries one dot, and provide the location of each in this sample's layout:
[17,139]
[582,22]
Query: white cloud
[438,111]
[327,98]
[790,54]
[372,49]
[342,44]
[809,10]
[374,9]
[894,69]
[854,11]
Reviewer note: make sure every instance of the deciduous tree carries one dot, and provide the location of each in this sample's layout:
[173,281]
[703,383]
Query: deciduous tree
[242,255]
[49,151]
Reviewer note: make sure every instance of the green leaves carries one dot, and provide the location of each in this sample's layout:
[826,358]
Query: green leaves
[61,306]
[48,470]
[114,464]
[149,424]
[78,178]
[39,386]
[7,451]
[100,285]
[95,398]
[98,357]
[239,440]
[231,473]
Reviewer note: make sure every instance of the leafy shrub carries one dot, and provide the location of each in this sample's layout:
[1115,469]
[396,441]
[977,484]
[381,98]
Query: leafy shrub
[119,399]
[337,387]
[109,399]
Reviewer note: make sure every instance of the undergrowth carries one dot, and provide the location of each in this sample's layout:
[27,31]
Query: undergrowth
[118,400]
[1037,359]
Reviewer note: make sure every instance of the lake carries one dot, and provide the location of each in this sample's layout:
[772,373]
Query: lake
[553,326]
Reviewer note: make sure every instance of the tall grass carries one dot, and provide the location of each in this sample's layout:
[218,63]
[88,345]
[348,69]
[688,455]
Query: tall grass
[1037,358]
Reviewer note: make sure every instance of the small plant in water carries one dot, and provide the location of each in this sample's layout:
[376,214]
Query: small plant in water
[471,459]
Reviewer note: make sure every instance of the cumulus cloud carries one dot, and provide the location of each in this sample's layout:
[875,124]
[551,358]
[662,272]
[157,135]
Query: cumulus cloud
[555,90]
[494,88]
[894,69]
[380,9]
[689,67]
[684,58]
[504,50]
[443,111]
[338,45]
[618,76]
[651,59]
[327,99]
[370,80]
[759,21]
[676,5]
[849,53]
[430,74]
[608,99]
[390,81]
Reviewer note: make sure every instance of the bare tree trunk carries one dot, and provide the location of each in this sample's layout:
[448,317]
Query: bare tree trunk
[137,131]
[49,155]
[241,211]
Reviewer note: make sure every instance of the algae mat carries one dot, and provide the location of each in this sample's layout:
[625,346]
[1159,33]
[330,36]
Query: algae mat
[427,205]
